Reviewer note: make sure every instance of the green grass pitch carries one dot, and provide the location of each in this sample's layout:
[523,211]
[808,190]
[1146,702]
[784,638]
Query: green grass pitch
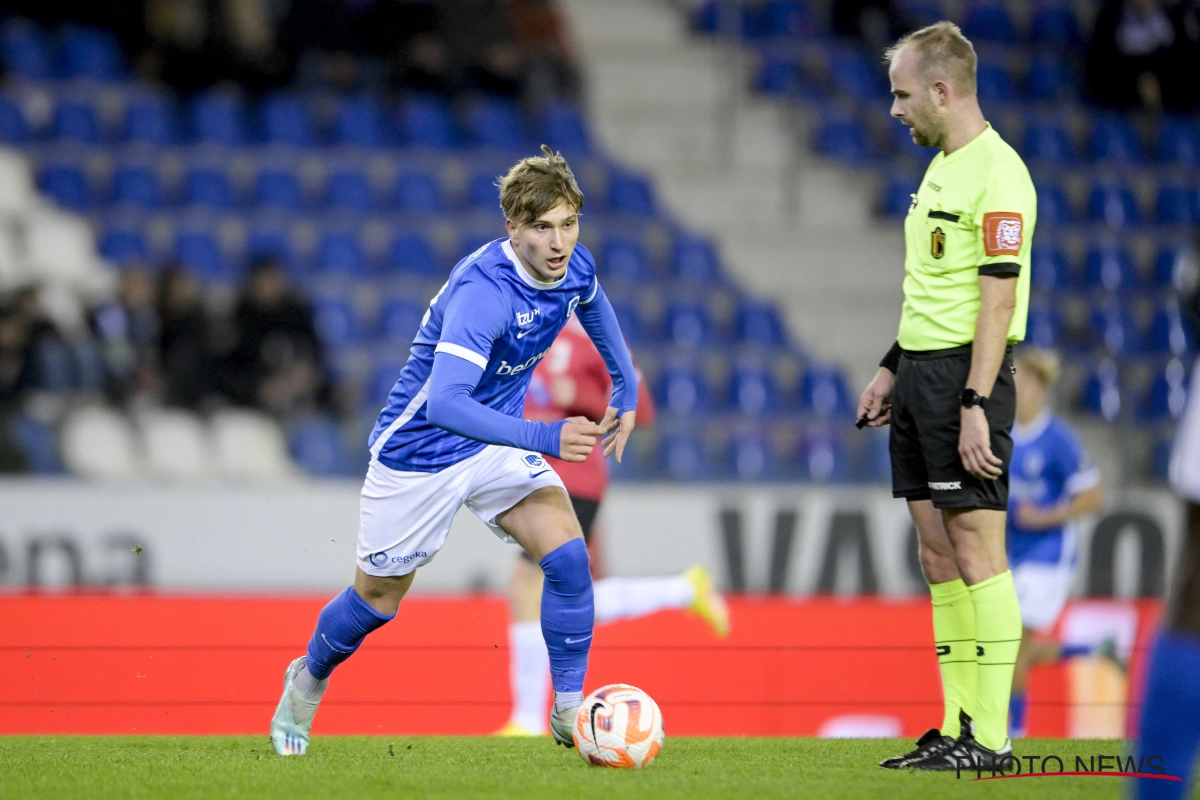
[401,767]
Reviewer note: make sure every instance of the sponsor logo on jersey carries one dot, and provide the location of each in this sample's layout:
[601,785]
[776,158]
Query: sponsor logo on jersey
[1003,233]
[509,369]
[937,246]
[945,486]
[378,559]
[525,318]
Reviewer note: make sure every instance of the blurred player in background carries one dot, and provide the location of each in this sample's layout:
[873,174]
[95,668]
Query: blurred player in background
[1169,726]
[452,434]
[1052,483]
[573,381]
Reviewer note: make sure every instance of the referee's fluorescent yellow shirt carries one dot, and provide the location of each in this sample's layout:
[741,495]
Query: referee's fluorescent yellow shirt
[973,215]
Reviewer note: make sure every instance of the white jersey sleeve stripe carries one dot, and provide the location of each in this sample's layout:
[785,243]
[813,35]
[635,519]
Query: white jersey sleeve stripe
[399,422]
[592,296]
[1082,481]
[463,353]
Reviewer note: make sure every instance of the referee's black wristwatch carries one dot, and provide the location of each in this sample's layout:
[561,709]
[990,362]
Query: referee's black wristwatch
[970,398]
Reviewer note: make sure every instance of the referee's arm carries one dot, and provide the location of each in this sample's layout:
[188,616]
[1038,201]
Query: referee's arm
[997,302]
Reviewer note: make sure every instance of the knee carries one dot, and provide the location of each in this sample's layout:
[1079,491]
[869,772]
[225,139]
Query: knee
[568,565]
[937,564]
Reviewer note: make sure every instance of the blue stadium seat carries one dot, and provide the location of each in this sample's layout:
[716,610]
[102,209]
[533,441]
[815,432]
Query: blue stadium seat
[384,372]
[123,245]
[752,391]
[1170,331]
[349,190]
[1053,206]
[896,197]
[759,323]
[278,187]
[482,192]
[994,82]
[76,121]
[208,185]
[564,127]
[1055,24]
[787,18]
[1051,270]
[1114,328]
[1167,393]
[1114,138]
[624,259]
[341,253]
[335,323]
[268,239]
[199,250]
[824,392]
[780,74]
[853,73]
[824,458]
[751,458]
[683,457]
[1044,327]
[845,139]
[989,22]
[1178,142]
[681,390]
[427,121]
[37,443]
[316,445]
[1049,78]
[1101,395]
[630,194]
[1114,204]
[630,319]
[14,129]
[400,319]
[688,324]
[1176,204]
[413,254]
[695,259]
[495,123]
[1047,141]
[1170,264]
[419,191]
[1110,267]
[27,52]
[474,238]
[150,118]
[285,119]
[137,185]
[361,121]
[875,460]
[218,118]
[922,12]
[66,184]
[91,53]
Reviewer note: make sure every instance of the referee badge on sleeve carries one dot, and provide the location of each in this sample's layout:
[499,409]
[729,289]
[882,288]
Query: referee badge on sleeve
[1003,233]
[937,246]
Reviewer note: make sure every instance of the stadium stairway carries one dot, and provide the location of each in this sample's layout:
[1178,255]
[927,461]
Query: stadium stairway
[790,225]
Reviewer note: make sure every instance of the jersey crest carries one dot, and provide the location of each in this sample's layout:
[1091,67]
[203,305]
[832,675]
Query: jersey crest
[937,247]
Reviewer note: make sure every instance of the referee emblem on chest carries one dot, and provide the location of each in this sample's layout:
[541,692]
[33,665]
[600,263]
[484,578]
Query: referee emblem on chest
[937,245]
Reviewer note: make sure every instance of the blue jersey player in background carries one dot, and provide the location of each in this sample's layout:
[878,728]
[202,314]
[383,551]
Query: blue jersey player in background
[452,435]
[1051,483]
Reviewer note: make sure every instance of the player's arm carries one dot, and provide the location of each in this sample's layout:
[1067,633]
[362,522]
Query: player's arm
[1084,491]
[600,321]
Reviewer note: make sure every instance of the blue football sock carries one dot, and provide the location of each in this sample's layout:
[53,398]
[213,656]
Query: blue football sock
[567,614]
[1170,721]
[1016,714]
[342,626]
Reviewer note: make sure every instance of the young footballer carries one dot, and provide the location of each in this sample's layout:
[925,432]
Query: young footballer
[451,434]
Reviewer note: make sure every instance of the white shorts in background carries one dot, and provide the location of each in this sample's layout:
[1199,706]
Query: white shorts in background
[1185,454]
[1042,591]
[404,517]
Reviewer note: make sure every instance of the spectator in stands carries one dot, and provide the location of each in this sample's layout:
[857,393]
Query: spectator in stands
[1128,61]
[1181,89]
[483,45]
[874,23]
[186,344]
[407,36]
[276,363]
[127,330]
[542,37]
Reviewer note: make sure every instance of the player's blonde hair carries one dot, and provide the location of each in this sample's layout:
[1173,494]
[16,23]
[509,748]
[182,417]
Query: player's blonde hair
[942,50]
[1042,364]
[537,184]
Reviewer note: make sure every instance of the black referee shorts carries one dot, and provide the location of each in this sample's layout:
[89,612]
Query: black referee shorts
[586,512]
[926,409]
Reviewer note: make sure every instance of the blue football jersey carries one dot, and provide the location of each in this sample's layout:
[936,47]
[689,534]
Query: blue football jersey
[1048,467]
[494,314]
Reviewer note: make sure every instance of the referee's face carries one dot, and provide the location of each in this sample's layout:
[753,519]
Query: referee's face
[913,100]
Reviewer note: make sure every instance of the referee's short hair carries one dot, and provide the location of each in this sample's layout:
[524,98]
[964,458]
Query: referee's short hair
[942,50]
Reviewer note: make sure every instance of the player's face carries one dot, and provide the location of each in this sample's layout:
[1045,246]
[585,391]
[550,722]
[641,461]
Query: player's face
[545,245]
[914,100]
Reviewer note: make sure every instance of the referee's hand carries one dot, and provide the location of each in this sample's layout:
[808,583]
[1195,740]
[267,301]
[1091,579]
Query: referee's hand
[875,404]
[975,446]
[577,439]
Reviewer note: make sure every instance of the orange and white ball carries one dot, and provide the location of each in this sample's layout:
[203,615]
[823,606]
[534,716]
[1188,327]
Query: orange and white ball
[619,726]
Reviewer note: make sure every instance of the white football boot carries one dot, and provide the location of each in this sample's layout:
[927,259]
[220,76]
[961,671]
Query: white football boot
[293,716]
[562,725]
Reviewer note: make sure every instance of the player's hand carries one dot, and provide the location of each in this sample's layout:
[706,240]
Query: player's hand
[876,400]
[577,439]
[975,446]
[1032,518]
[617,431]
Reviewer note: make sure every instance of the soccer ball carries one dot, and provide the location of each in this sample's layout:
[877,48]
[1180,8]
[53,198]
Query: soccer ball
[619,726]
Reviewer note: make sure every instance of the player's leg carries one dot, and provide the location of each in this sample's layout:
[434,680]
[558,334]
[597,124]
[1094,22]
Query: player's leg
[1170,717]
[1042,591]
[529,662]
[544,524]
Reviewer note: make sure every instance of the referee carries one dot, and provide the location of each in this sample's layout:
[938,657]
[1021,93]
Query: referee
[946,387]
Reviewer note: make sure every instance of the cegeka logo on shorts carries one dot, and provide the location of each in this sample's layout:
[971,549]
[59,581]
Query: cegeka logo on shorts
[508,369]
